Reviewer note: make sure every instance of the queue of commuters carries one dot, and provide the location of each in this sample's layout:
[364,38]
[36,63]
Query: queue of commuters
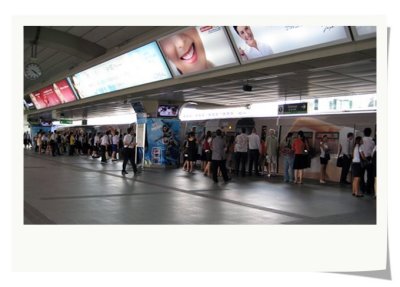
[248,154]
[224,155]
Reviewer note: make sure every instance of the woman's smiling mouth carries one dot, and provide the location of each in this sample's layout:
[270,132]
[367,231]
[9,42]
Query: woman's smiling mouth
[190,55]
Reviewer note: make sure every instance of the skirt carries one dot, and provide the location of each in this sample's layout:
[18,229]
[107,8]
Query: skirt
[300,161]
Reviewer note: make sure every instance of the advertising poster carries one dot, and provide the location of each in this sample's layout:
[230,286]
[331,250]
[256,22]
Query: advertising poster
[55,94]
[197,49]
[162,142]
[255,42]
[137,67]
[314,129]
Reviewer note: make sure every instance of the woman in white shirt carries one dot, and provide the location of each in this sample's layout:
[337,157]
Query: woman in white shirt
[356,167]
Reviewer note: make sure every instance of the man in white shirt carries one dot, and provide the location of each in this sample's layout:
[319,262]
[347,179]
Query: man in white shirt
[114,145]
[104,143]
[241,147]
[253,49]
[254,149]
[346,150]
[366,151]
[129,151]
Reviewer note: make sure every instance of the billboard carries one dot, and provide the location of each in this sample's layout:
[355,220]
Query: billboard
[259,42]
[197,49]
[140,66]
[56,94]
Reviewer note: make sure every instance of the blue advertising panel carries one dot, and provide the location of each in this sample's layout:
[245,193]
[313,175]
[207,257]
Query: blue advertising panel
[163,142]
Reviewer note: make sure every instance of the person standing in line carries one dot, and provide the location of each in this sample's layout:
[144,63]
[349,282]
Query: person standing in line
[356,169]
[71,143]
[96,144]
[129,151]
[192,151]
[114,145]
[288,158]
[254,149]
[207,153]
[272,152]
[218,147]
[346,151]
[374,168]
[241,146]
[324,157]
[263,154]
[300,159]
[104,144]
[53,143]
[366,150]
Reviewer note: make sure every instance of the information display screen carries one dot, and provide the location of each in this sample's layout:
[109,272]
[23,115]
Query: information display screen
[56,94]
[259,42]
[197,49]
[168,111]
[137,67]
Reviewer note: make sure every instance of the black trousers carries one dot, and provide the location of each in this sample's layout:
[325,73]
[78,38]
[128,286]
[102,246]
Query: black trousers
[103,153]
[129,155]
[240,162]
[345,168]
[253,161]
[221,164]
[368,187]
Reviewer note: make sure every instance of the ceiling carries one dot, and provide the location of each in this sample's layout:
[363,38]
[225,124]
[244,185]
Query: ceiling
[348,69]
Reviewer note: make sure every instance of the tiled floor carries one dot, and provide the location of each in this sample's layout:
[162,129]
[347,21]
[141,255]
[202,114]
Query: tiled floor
[80,190]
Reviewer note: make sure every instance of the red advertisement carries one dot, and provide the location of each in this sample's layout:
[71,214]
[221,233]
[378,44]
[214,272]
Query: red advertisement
[55,94]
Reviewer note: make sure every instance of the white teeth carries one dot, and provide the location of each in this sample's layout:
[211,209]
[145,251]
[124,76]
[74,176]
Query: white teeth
[189,54]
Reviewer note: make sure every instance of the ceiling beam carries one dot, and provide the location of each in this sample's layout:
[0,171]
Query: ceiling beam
[62,41]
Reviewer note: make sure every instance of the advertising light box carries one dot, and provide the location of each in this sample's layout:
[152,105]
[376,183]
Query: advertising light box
[198,49]
[363,32]
[137,67]
[259,42]
[56,94]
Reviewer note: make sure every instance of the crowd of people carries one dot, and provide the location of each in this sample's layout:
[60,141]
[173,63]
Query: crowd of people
[228,155]
[109,145]
[248,154]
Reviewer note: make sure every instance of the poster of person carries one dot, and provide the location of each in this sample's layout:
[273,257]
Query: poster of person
[256,42]
[55,94]
[197,49]
[163,140]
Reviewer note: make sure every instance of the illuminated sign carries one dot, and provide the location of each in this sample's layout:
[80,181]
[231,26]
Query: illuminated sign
[58,93]
[257,42]
[298,108]
[363,32]
[197,49]
[137,67]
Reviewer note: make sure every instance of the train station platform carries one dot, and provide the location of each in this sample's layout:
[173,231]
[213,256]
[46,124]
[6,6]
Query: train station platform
[80,190]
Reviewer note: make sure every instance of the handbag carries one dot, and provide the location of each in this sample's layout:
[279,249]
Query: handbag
[339,161]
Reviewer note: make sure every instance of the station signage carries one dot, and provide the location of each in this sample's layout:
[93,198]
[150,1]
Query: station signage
[290,109]
[65,122]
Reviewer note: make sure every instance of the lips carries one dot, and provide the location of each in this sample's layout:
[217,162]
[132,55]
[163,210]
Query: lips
[190,55]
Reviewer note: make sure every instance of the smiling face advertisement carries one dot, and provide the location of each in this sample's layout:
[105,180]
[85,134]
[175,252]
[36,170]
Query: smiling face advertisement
[197,49]
[255,42]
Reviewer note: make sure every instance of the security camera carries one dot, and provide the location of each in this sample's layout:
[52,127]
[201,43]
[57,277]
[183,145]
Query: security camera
[247,88]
